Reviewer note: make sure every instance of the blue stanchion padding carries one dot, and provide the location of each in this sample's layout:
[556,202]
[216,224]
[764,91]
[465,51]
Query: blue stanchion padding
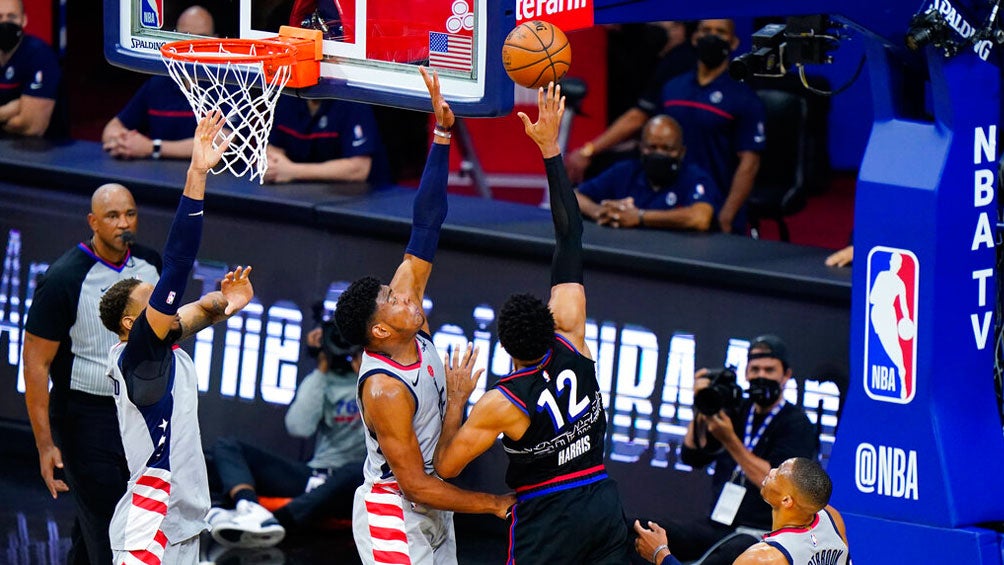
[875,541]
[920,437]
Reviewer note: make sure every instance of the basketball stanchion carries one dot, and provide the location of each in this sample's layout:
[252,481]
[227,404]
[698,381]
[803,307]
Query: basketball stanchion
[244,78]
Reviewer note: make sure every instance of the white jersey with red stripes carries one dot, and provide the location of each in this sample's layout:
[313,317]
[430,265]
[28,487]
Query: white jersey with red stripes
[167,497]
[818,544]
[426,379]
[387,527]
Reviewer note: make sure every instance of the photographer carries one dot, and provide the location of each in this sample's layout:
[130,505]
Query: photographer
[325,405]
[745,438]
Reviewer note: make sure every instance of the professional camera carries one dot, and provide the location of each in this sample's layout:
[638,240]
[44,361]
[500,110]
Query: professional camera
[722,393]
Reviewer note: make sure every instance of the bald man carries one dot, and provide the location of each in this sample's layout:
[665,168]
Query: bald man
[659,190]
[75,425]
[158,121]
[804,527]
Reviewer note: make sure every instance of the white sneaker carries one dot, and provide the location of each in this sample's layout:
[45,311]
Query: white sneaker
[248,525]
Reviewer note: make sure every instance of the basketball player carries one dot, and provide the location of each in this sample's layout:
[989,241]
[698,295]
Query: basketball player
[162,513]
[402,513]
[549,409]
[806,529]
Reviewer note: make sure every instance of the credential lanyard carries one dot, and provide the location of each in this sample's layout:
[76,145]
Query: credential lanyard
[751,440]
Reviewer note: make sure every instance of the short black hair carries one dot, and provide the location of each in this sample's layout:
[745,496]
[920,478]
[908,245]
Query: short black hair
[355,309]
[526,327]
[114,302]
[811,480]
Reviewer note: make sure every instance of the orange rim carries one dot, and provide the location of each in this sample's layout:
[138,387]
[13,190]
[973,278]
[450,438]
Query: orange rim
[220,51]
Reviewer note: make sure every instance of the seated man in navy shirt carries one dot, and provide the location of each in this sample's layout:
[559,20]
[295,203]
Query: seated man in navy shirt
[29,77]
[658,190]
[325,140]
[158,122]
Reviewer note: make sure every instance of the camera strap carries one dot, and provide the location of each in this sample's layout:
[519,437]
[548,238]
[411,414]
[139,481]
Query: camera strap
[752,440]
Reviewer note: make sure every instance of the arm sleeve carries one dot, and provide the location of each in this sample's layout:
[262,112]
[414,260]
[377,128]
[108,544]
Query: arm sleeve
[146,363]
[45,74]
[307,408]
[430,206]
[53,309]
[566,265]
[179,256]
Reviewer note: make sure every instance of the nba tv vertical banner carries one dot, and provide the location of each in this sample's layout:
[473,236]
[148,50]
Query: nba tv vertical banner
[920,438]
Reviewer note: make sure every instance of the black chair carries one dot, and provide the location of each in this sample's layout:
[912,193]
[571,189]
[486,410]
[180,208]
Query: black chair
[783,183]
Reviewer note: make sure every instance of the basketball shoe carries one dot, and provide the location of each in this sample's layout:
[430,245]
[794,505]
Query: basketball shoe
[247,525]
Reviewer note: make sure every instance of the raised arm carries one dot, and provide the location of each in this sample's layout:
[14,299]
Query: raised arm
[430,205]
[568,295]
[186,231]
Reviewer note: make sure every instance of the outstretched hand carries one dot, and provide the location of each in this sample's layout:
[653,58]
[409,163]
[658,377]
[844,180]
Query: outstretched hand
[460,382]
[209,145]
[550,106]
[236,287]
[444,115]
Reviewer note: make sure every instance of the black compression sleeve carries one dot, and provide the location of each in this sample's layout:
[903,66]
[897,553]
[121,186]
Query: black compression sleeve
[566,266]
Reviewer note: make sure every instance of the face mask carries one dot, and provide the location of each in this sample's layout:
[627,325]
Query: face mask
[10,34]
[660,169]
[712,50]
[764,392]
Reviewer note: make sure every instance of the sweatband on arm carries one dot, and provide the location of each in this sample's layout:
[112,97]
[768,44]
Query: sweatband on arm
[430,205]
[566,265]
[179,256]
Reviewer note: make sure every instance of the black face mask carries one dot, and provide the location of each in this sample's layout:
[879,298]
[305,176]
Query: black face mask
[712,50]
[764,392]
[660,169]
[10,34]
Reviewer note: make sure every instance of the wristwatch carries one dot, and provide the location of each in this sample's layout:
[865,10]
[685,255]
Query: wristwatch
[156,149]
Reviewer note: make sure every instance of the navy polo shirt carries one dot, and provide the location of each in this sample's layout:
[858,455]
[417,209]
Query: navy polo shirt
[627,178]
[719,120]
[31,71]
[340,129]
[159,110]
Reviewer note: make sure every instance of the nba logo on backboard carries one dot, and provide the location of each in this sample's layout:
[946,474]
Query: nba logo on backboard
[891,325]
[152,14]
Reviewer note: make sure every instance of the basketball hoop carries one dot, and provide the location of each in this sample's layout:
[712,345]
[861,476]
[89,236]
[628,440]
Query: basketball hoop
[243,78]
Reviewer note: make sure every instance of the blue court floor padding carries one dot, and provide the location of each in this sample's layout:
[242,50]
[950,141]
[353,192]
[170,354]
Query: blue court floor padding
[874,541]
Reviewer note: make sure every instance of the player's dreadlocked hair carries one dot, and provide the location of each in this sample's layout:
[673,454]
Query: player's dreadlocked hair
[114,303]
[355,309]
[526,327]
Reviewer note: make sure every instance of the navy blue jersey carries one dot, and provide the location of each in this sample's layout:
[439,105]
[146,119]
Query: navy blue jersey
[719,120]
[563,446]
[627,178]
[159,110]
[338,130]
[31,71]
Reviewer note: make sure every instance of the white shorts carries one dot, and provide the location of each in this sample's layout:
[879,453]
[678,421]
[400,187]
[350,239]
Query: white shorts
[387,527]
[181,553]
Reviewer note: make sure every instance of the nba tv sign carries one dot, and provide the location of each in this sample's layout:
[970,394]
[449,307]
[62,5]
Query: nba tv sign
[891,325]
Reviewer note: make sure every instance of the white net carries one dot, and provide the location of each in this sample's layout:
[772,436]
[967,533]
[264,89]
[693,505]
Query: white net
[241,91]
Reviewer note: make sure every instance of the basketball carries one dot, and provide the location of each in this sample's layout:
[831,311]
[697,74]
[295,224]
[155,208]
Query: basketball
[905,329]
[536,53]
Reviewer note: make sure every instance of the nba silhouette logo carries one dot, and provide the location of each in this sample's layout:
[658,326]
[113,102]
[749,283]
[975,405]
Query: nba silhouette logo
[152,13]
[891,325]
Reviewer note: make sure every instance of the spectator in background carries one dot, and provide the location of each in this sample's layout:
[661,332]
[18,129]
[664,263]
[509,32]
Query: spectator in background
[723,120]
[158,122]
[656,191]
[325,140]
[640,57]
[29,77]
[325,405]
